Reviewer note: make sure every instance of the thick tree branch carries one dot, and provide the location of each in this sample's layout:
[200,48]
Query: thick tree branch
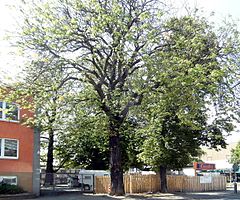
[130,104]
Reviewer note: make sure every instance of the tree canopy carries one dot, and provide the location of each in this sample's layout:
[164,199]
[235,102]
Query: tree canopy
[187,77]
[137,67]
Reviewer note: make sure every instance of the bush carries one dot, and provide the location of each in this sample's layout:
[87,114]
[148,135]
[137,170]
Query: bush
[10,189]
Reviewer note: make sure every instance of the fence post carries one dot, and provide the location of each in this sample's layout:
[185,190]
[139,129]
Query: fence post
[94,184]
[151,188]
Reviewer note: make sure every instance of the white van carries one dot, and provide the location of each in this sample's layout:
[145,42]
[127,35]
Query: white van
[86,178]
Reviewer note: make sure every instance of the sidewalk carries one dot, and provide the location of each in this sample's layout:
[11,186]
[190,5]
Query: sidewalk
[223,195]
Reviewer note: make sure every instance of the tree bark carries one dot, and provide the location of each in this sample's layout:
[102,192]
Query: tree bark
[49,168]
[117,187]
[163,179]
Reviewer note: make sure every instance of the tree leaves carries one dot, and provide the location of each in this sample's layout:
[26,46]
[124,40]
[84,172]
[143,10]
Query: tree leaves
[97,61]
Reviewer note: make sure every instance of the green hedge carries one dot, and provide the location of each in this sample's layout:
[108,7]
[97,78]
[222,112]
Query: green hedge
[10,189]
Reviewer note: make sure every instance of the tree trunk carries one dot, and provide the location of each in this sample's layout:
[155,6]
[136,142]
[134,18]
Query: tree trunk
[163,179]
[117,187]
[49,178]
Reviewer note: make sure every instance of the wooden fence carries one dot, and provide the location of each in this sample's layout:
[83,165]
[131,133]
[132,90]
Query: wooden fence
[151,183]
[195,184]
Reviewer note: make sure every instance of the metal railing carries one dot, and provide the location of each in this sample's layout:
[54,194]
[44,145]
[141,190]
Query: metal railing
[67,182]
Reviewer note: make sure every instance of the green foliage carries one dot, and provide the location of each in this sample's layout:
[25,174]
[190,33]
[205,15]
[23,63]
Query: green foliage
[99,44]
[10,189]
[103,52]
[235,155]
[131,142]
[94,62]
[85,141]
[186,76]
[171,143]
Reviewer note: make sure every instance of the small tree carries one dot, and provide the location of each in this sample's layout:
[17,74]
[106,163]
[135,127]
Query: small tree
[235,155]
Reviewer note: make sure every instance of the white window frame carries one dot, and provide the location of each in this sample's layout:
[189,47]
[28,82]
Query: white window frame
[3,149]
[4,118]
[9,177]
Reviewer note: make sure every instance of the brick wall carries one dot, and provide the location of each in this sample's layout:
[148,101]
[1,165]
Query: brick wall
[24,179]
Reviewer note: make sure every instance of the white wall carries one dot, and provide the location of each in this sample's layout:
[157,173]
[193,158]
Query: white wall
[221,164]
[188,171]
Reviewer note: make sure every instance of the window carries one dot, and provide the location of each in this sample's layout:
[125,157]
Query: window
[88,177]
[8,148]
[106,175]
[12,180]
[9,111]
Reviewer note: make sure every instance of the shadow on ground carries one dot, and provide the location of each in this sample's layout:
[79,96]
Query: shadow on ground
[223,195]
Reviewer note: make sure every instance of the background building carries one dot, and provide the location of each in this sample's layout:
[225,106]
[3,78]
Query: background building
[219,158]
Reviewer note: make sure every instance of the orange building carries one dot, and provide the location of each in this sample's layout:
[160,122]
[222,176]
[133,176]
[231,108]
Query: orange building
[19,149]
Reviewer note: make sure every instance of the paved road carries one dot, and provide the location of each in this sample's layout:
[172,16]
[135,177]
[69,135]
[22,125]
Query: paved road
[203,195]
